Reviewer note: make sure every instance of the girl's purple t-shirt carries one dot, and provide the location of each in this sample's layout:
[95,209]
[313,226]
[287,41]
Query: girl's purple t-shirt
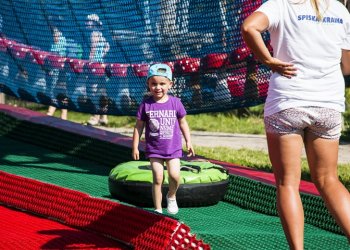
[162,130]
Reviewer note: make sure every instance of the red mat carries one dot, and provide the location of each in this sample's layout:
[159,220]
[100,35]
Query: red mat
[20,230]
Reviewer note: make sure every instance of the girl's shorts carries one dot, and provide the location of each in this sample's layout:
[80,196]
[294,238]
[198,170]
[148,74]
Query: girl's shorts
[323,122]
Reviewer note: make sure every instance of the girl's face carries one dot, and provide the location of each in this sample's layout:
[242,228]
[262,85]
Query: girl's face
[159,86]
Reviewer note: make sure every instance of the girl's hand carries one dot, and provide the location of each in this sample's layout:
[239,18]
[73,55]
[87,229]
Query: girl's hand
[190,150]
[135,154]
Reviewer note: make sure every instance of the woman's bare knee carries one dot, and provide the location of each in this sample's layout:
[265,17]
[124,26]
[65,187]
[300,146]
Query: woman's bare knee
[322,181]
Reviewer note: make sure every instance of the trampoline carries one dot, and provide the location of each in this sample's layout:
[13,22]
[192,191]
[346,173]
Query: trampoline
[222,226]
[57,170]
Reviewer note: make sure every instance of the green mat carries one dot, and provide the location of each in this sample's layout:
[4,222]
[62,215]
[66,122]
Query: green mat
[223,226]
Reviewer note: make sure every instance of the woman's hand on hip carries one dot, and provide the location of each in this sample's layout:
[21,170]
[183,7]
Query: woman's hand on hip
[283,68]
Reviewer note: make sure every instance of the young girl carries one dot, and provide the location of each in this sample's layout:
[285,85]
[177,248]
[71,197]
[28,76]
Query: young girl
[163,116]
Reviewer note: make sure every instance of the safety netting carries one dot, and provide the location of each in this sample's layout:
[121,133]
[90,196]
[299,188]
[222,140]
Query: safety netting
[92,56]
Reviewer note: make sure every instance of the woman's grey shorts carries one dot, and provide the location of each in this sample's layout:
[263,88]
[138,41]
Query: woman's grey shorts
[323,122]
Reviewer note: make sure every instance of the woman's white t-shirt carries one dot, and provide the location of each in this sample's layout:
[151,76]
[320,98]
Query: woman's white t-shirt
[314,47]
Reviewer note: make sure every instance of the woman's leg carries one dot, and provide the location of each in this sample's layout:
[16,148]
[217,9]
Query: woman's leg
[91,92]
[173,166]
[157,171]
[285,156]
[51,110]
[103,120]
[64,114]
[323,160]
[51,80]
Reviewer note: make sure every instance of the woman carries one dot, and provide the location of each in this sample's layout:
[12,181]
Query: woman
[59,47]
[96,84]
[311,44]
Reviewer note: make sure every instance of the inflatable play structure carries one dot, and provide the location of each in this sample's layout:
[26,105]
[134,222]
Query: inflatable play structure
[93,56]
[201,183]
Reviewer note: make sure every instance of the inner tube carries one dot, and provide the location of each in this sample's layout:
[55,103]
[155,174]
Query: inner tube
[202,183]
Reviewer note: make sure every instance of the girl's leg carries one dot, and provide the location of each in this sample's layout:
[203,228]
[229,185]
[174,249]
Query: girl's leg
[323,160]
[157,171]
[173,166]
[285,156]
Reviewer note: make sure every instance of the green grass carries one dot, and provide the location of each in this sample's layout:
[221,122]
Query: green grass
[260,160]
[215,122]
[227,122]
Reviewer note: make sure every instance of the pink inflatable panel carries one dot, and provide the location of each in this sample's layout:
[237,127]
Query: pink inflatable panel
[188,65]
[140,70]
[77,65]
[241,54]
[97,68]
[263,86]
[56,61]
[40,56]
[20,50]
[3,47]
[214,60]
[5,43]
[236,82]
[118,69]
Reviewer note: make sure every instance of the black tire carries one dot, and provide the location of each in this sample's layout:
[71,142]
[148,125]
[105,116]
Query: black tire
[188,195]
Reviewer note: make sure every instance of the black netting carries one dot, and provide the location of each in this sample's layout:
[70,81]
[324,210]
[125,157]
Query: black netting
[199,39]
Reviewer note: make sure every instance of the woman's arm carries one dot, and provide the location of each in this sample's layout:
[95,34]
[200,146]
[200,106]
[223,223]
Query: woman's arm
[251,29]
[345,62]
